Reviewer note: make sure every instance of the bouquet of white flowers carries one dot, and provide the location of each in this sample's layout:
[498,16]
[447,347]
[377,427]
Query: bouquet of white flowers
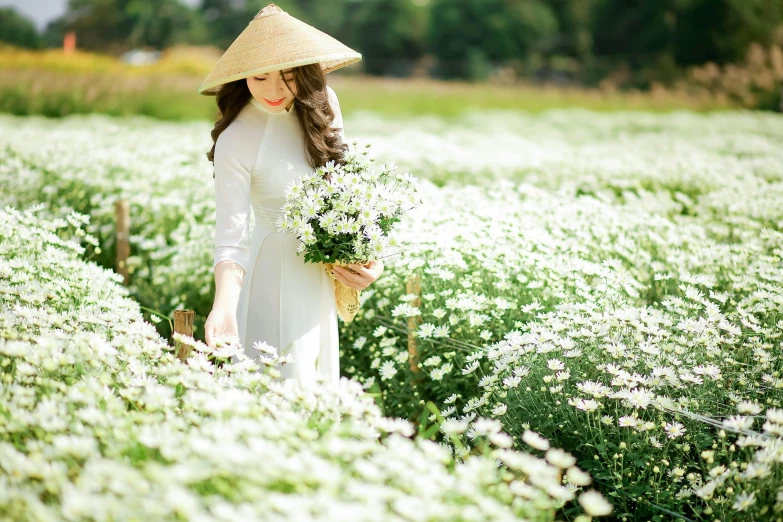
[344,214]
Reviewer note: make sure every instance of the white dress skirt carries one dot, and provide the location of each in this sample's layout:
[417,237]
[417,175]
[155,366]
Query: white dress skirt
[285,302]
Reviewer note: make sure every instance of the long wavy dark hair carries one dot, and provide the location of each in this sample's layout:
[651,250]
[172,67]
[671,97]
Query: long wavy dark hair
[322,141]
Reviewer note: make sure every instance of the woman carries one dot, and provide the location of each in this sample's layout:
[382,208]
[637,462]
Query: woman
[278,121]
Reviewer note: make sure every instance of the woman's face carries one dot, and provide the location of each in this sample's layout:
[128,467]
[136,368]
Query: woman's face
[270,89]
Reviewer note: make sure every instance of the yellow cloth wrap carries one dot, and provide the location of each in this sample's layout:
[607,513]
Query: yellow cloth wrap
[346,297]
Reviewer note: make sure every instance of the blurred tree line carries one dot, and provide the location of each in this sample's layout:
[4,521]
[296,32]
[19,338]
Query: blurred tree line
[565,41]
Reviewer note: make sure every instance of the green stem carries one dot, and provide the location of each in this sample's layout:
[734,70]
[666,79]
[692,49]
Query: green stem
[171,325]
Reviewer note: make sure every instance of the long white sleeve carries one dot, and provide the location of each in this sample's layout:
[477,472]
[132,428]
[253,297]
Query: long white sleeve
[338,115]
[232,204]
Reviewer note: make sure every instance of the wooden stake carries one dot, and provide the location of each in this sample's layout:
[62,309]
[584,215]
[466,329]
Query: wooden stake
[413,286]
[122,211]
[183,324]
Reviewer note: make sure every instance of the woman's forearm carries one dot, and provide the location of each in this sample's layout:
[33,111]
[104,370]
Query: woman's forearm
[228,283]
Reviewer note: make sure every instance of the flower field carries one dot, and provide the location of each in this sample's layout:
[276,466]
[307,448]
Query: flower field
[103,423]
[611,285]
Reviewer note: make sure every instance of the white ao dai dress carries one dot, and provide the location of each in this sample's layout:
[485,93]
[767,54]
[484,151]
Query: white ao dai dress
[284,301]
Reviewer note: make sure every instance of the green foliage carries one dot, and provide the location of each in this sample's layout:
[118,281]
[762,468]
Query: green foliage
[466,34]
[653,36]
[116,25]
[390,34]
[17,30]
[632,42]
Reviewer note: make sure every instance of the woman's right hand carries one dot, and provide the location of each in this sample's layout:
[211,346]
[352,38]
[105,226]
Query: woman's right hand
[219,322]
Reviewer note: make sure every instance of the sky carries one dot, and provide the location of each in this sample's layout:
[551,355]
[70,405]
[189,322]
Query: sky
[39,11]
[42,12]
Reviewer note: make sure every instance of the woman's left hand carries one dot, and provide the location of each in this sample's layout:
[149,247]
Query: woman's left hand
[362,275]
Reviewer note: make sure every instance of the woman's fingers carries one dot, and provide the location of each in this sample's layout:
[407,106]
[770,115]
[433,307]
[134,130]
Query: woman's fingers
[359,267]
[357,275]
[347,274]
[360,271]
[349,279]
[208,335]
[367,273]
[339,276]
[233,327]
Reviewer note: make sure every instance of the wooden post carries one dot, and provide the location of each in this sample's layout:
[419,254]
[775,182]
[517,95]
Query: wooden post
[183,324]
[122,211]
[413,286]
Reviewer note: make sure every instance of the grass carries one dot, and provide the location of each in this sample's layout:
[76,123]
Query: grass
[391,96]
[56,84]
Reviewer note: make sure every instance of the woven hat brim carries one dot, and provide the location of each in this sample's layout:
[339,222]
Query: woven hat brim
[277,42]
[328,64]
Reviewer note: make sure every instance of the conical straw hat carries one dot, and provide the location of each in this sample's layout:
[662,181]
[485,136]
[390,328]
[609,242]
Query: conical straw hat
[272,41]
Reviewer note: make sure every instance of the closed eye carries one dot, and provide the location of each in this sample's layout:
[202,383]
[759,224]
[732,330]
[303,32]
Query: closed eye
[262,79]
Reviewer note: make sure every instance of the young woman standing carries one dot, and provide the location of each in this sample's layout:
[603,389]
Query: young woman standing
[278,120]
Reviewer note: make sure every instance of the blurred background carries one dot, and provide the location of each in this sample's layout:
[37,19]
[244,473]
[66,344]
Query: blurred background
[420,56]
